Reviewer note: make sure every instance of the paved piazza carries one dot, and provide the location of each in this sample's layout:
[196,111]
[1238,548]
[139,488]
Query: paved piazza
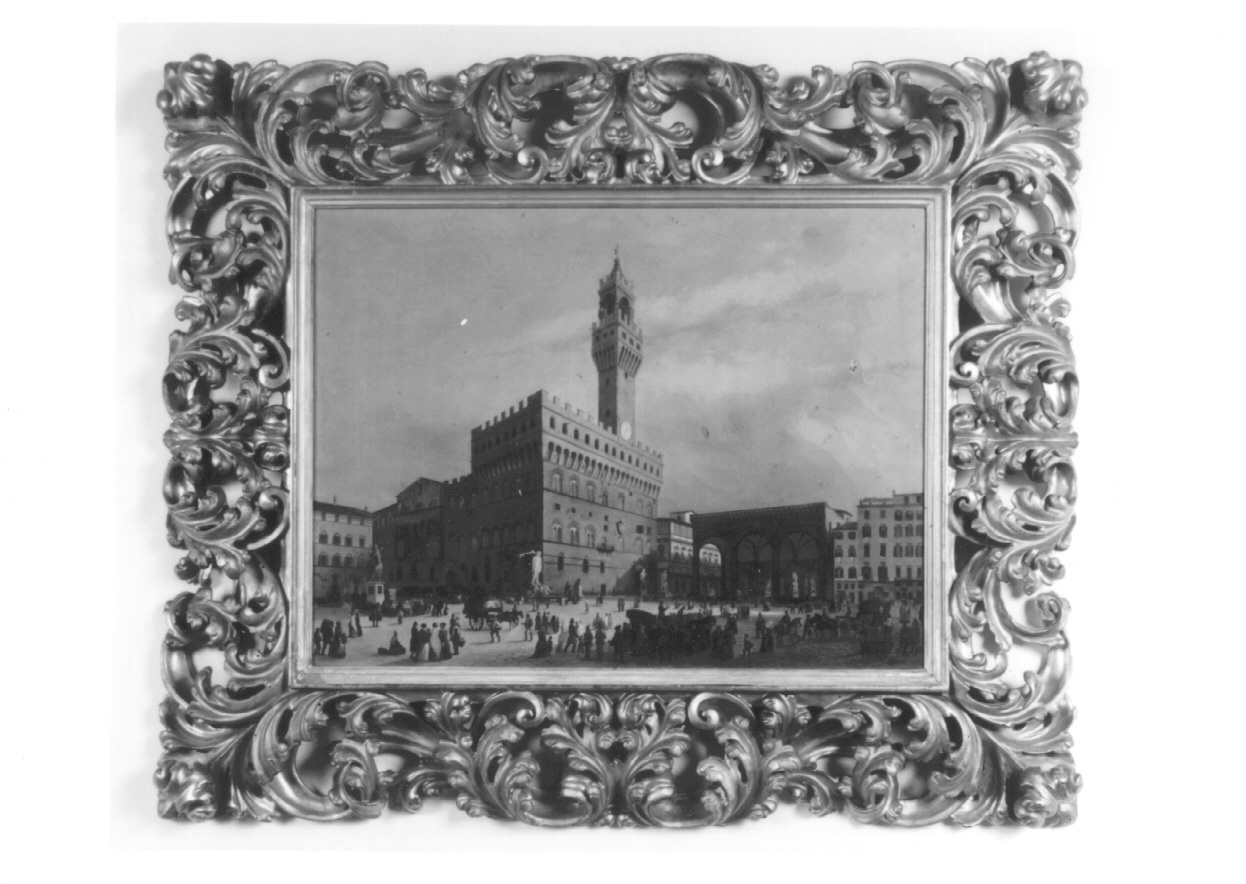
[512,650]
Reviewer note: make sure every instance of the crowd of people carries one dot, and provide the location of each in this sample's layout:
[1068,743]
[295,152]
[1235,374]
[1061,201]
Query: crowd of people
[881,629]
[330,639]
[662,638]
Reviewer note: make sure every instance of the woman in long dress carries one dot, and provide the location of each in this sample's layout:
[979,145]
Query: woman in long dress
[426,641]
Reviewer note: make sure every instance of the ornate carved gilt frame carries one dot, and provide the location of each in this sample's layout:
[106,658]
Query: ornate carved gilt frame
[993,748]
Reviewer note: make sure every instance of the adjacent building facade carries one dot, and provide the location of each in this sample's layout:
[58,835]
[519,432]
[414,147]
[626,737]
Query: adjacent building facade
[882,550]
[342,549]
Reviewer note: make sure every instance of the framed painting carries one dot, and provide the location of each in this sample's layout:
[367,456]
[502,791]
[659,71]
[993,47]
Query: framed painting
[620,442]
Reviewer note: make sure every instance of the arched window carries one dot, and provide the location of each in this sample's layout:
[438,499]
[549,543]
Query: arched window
[555,482]
[561,561]
[882,572]
[852,552]
[574,535]
[866,572]
[865,532]
[584,567]
[350,541]
[896,550]
[322,560]
[865,514]
[839,552]
[350,561]
[574,489]
[839,572]
[622,501]
[605,497]
[558,536]
[337,539]
[882,530]
[899,515]
[590,491]
[337,561]
[908,549]
[590,537]
[852,573]
[552,425]
[649,509]
[324,536]
[361,541]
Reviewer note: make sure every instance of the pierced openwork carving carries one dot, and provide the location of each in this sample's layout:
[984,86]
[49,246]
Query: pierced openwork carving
[994,749]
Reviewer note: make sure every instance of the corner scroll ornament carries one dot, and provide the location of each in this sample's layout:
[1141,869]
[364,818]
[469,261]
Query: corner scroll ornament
[239,743]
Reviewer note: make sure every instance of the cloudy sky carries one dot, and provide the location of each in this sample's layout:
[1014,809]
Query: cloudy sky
[783,347]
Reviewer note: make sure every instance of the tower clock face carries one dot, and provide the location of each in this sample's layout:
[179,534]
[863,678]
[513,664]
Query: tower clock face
[625,430]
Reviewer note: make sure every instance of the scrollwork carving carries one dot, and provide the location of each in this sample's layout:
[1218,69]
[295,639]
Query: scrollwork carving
[1001,137]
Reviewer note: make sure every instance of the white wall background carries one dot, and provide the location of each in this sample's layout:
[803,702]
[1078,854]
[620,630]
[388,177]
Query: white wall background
[1153,783]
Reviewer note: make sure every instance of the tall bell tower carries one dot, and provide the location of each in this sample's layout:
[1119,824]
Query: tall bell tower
[618,346]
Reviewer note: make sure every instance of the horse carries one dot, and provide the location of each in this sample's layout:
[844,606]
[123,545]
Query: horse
[510,618]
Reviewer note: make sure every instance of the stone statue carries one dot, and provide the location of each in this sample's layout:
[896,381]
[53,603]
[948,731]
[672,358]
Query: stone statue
[534,565]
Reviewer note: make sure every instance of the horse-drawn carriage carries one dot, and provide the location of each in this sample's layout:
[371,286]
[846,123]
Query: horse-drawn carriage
[477,609]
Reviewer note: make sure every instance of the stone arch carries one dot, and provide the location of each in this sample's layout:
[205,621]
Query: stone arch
[755,558]
[710,565]
[799,563]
